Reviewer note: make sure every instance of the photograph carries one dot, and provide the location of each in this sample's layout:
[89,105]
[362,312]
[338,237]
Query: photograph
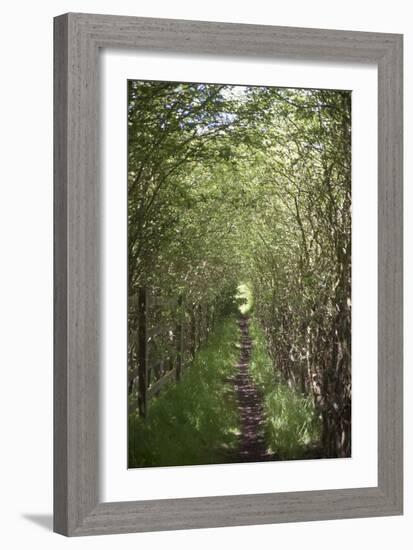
[239,273]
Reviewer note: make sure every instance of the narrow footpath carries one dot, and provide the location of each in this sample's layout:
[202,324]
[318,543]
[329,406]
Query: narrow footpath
[252,446]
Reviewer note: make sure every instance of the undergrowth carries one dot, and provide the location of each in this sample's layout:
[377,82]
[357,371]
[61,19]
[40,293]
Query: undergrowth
[292,427]
[196,420]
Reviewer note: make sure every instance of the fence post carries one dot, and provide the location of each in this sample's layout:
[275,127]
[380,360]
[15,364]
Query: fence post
[204,322]
[193,330]
[132,367]
[179,339]
[142,355]
[207,319]
[199,325]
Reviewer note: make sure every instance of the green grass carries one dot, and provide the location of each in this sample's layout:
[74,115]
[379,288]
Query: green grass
[292,428]
[196,420]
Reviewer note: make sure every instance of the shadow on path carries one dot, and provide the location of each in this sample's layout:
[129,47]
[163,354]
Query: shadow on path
[252,446]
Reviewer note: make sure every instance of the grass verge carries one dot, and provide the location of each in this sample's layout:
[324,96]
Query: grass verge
[195,421]
[292,428]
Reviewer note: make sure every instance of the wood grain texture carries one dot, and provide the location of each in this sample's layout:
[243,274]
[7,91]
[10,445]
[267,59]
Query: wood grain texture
[78,38]
[60,277]
[390,273]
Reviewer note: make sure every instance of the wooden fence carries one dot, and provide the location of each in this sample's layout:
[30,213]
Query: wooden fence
[164,334]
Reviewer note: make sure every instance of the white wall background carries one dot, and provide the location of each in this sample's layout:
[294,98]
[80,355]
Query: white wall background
[26,271]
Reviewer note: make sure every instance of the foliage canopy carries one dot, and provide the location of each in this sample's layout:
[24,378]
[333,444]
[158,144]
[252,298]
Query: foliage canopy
[233,184]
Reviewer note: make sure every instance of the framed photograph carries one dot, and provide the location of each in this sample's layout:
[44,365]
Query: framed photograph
[228,274]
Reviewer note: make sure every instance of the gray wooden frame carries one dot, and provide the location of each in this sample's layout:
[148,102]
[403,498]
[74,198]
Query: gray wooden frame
[78,39]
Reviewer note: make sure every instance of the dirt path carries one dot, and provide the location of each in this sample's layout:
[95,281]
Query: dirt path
[252,445]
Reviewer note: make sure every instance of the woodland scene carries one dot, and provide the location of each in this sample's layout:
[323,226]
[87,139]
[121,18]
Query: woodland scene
[239,273]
